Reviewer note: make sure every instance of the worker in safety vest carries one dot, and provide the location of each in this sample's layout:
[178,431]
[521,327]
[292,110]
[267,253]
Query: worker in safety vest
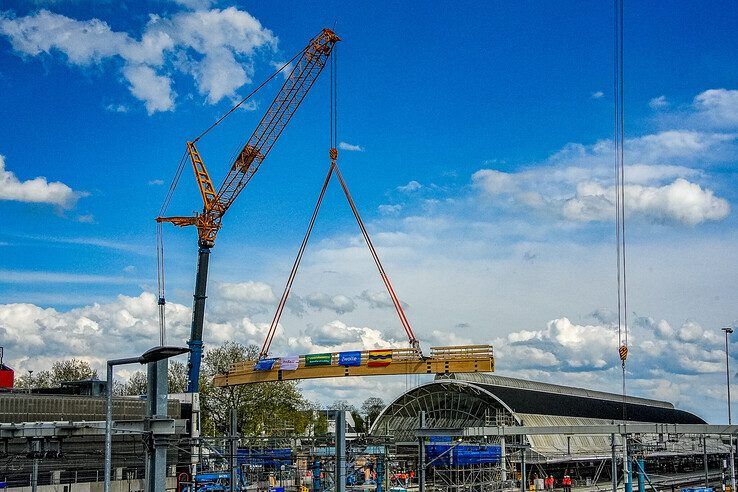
[566,483]
[548,483]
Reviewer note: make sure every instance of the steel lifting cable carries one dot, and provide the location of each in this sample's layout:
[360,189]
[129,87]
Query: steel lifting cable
[295,266]
[622,297]
[160,278]
[333,169]
[390,290]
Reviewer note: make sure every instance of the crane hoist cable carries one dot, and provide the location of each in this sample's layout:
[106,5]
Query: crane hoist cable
[333,169]
[618,140]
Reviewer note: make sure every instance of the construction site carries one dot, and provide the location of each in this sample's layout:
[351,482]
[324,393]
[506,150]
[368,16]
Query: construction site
[458,426]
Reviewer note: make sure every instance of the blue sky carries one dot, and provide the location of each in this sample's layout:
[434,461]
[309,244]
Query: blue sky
[484,174]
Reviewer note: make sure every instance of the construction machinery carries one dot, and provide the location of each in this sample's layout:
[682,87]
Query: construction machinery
[216,203]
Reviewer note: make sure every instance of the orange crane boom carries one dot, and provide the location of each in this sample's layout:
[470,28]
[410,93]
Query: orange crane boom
[216,203]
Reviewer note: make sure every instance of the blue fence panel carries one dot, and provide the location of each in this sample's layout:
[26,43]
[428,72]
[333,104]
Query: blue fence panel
[443,455]
[268,458]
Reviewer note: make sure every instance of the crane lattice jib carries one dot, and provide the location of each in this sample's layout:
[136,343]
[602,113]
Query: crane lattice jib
[296,86]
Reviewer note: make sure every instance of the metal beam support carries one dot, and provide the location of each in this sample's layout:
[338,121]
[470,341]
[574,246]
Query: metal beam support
[619,429]
[156,407]
[340,451]
[614,468]
[704,460]
[233,445]
[421,455]
[523,476]
[32,430]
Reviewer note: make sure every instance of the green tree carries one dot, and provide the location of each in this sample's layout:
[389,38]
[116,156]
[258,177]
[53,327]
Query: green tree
[61,371]
[136,384]
[345,406]
[371,408]
[177,377]
[262,409]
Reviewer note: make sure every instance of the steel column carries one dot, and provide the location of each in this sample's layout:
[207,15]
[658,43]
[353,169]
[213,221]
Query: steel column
[614,468]
[523,478]
[108,428]
[156,406]
[233,448]
[704,459]
[340,451]
[421,455]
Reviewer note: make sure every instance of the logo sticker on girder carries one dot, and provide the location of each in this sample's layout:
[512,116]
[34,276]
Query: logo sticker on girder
[290,363]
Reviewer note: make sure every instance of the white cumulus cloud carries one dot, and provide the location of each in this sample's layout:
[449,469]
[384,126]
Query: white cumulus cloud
[680,201]
[36,190]
[250,291]
[350,147]
[216,47]
[155,90]
[340,304]
[718,106]
[659,102]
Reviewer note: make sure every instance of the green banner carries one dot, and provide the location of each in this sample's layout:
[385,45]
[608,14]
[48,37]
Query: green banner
[318,360]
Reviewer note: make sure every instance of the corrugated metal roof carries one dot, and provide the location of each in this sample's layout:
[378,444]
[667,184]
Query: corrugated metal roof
[508,382]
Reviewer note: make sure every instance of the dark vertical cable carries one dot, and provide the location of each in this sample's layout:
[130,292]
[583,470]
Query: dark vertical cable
[618,141]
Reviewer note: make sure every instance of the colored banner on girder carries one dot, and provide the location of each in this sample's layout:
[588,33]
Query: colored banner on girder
[290,363]
[264,364]
[318,359]
[379,358]
[349,358]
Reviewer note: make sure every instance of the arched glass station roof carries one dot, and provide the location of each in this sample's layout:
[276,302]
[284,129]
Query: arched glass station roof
[473,400]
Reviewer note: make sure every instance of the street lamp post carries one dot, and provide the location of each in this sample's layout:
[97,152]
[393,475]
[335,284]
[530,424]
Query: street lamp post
[153,355]
[728,330]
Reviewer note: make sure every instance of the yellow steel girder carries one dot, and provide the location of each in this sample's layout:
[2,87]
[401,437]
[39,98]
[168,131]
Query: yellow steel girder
[443,360]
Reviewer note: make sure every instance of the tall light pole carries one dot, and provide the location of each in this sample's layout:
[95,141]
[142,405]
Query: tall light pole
[153,355]
[728,330]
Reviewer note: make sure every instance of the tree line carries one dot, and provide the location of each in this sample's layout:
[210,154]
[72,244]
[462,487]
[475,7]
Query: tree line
[269,409]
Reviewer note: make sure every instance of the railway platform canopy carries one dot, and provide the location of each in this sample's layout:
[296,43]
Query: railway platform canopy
[490,406]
